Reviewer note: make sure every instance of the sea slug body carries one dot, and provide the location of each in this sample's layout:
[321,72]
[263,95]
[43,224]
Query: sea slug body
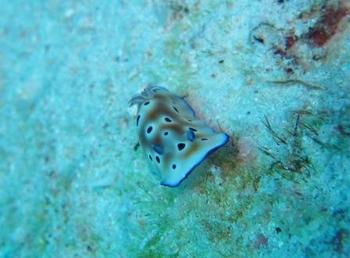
[174,139]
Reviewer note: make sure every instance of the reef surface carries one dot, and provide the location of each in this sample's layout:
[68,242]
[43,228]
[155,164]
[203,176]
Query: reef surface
[273,74]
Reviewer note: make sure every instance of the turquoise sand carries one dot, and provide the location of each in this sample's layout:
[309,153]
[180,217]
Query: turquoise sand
[272,74]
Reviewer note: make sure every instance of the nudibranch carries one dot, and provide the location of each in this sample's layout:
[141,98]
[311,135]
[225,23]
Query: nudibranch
[173,138]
